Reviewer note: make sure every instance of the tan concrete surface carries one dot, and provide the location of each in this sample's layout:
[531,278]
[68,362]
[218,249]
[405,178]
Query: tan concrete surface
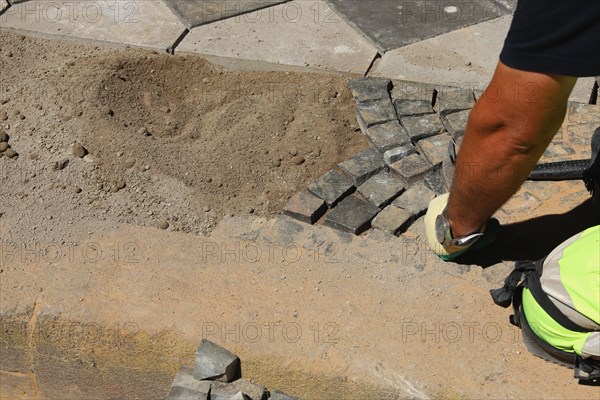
[133,22]
[465,58]
[296,33]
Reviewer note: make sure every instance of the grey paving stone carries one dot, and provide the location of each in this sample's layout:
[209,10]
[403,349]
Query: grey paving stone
[398,153]
[435,181]
[332,187]
[387,136]
[381,189]
[185,386]
[416,199]
[393,220]
[352,214]
[456,123]
[422,126]
[406,108]
[375,112]
[363,165]
[368,89]
[305,207]
[277,395]
[435,149]
[450,100]
[411,169]
[200,12]
[216,363]
[406,90]
[395,23]
[250,389]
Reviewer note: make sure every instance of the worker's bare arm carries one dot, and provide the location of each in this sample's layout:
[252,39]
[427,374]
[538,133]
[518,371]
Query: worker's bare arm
[510,127]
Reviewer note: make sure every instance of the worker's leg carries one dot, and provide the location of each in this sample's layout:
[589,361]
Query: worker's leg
[508,131]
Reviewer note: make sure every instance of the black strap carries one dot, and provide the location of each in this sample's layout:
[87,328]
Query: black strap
[506,294]
[587,371]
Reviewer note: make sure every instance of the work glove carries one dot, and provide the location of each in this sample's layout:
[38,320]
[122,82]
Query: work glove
[480,239]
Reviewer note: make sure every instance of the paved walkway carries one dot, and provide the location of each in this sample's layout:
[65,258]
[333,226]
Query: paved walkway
[420,41]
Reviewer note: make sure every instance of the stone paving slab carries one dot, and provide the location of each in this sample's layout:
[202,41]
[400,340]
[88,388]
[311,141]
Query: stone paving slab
[422,126]
[387,136]
[466,58]
[381,189]
[200,12]
[395,23]
[133,22]
[288,33]
[332,187]
[363,165]
[352,214]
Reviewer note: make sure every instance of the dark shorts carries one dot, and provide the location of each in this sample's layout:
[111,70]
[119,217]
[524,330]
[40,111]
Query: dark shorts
[555,36]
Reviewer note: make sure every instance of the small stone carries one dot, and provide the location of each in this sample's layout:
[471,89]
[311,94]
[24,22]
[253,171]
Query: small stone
[109,112]
[213,362]
[144,132]
[298,160]
[118,185]
[163,224]
[3,115]
[206,209]
[450,100]
[4,146]
[367,89]
[332,187]
[79,151]
[11,153]
[130,163]
[363,165]
[393,220]
[381,189]
[406,108]
[76,189]
[4,136]
[305,207]
[411,169]
[456,123]
[294,153]
[435,149]
[352,214]
[34,156]
[422,126]
[61,164]
[388,135]
[375,112]
[415,200]
[398,153]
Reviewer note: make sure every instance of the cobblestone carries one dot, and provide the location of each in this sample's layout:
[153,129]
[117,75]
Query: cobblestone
[422,126]
[381,189]
[398,153]
[411,169]
[435,181]
[305,207]
[415,200]
[352,214]
[456,123]
[406,108]
[435,149]
[332,187]
[451,100]
[393,220]
[387,136]
[375,112]
[368,89]
[363,165]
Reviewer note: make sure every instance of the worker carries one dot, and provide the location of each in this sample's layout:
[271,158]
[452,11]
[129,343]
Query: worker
[549,45]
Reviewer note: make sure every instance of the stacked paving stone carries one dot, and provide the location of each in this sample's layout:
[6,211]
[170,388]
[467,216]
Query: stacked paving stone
[414,137]
[217,375]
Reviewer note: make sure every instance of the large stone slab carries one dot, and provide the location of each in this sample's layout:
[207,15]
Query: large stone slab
[216,363]
[134,22]
[396,23]
[411,169]
[422,126]
[289,33]
[393,220]
[387,136]
[332,187]
[381,189]
[368,89]
[352,215]
[363,165]
[435,149]
[305,207]
[200,12]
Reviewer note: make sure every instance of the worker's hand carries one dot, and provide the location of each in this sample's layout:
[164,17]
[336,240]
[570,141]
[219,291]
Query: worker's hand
[450,252]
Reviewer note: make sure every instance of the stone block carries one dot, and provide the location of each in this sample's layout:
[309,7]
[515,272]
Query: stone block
[398,153]
[422,126]
[305,207]
[216,363]
[416,199]
[450,100]
[368,89]
[411,169]
[404,90]
[388,135]
[332,187]
[228,390]
[277,395]
[375,112]
[456,123]
[393,220]
[352,215]
[406,108]
[185,386]
[363,165]
[239,396]
[435,149]
[381,189]
[435,181]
